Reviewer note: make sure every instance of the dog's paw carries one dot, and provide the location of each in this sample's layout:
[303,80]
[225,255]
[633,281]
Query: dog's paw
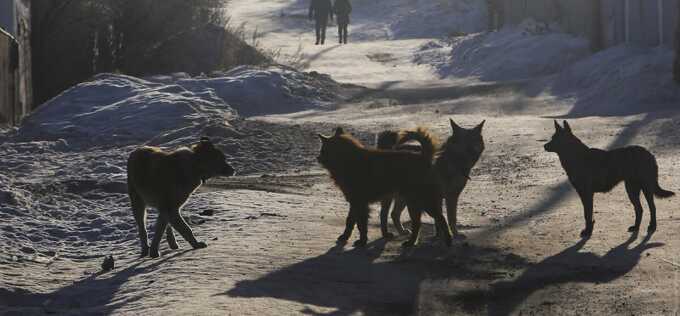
[633,229]
[651,228]
[405,232]
[199,245]
[343,238]
[360,243]
[154,253]
[586,232]
[145,252]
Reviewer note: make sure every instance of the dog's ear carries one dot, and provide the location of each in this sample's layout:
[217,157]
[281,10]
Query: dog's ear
[557,126]
[323,138]
[567,127]
[454,126]
[479,127]
[339,131]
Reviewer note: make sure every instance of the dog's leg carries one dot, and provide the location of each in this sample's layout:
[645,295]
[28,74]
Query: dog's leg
[587,200]
[139,211]
[384,212]
[399,206]
[184,230]
[649,195]
[440,223]
[161,224]
[415,214]
[170,236]
[633,190]
[349,226]
[452,213]
[361,215]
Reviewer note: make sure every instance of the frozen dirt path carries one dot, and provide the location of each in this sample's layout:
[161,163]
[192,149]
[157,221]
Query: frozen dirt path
[371,58]
[272,234]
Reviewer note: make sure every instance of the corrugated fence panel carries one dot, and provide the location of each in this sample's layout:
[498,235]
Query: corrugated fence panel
[670,21]
[650,22]
[6,79]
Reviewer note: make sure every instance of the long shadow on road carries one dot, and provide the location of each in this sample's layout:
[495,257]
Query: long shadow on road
[568,266]
[355,281]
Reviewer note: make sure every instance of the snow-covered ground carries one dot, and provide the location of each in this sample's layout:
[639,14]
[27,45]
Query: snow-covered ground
[271,229]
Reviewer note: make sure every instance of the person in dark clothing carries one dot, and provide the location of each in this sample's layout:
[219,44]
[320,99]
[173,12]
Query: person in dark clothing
[342,9]
[321,11]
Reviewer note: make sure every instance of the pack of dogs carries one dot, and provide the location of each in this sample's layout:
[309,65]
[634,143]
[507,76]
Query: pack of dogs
[406,169]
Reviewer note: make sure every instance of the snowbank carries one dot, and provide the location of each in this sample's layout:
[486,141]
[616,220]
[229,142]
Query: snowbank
[116,110]
[513,53]
[400,19]
[275,90]
[619,81]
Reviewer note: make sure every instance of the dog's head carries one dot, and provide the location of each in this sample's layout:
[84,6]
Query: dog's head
[466,142]
[562,140]
[335,149]
[211,161]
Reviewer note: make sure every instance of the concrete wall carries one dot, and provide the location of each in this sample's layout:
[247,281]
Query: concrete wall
[606,23]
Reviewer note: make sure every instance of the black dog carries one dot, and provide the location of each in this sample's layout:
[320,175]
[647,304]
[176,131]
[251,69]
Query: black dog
[593,170]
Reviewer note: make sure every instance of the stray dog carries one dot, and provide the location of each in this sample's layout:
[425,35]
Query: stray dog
[366,175]
[164,181]
[593,170]
[453,164]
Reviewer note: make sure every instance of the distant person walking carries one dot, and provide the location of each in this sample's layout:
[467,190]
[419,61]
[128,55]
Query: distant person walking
[342,9]
[321,11]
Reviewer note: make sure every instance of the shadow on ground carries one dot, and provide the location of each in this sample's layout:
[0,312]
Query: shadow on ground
[360,280]
[92,295]
[567,266]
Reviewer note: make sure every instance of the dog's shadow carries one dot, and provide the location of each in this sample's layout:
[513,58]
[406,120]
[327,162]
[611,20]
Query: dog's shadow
[570,265]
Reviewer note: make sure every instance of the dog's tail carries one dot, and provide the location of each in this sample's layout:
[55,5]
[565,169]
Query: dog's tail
[661,193]
[428,142]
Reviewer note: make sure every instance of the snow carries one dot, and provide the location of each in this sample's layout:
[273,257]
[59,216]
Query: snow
[271,230]
[513,53]
[622,80]
[404,19]
[617,81]
[117,110]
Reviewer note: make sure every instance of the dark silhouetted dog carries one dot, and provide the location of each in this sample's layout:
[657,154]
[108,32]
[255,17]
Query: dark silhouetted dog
[164,181]
[593,170]
[366,175]
[453,165]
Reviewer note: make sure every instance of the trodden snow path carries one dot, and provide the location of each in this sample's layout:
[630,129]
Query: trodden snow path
[272,234]
[378,53]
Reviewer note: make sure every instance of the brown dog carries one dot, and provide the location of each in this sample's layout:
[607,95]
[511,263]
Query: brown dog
[453,165]
[366,175]
[164,181]
[593,170]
